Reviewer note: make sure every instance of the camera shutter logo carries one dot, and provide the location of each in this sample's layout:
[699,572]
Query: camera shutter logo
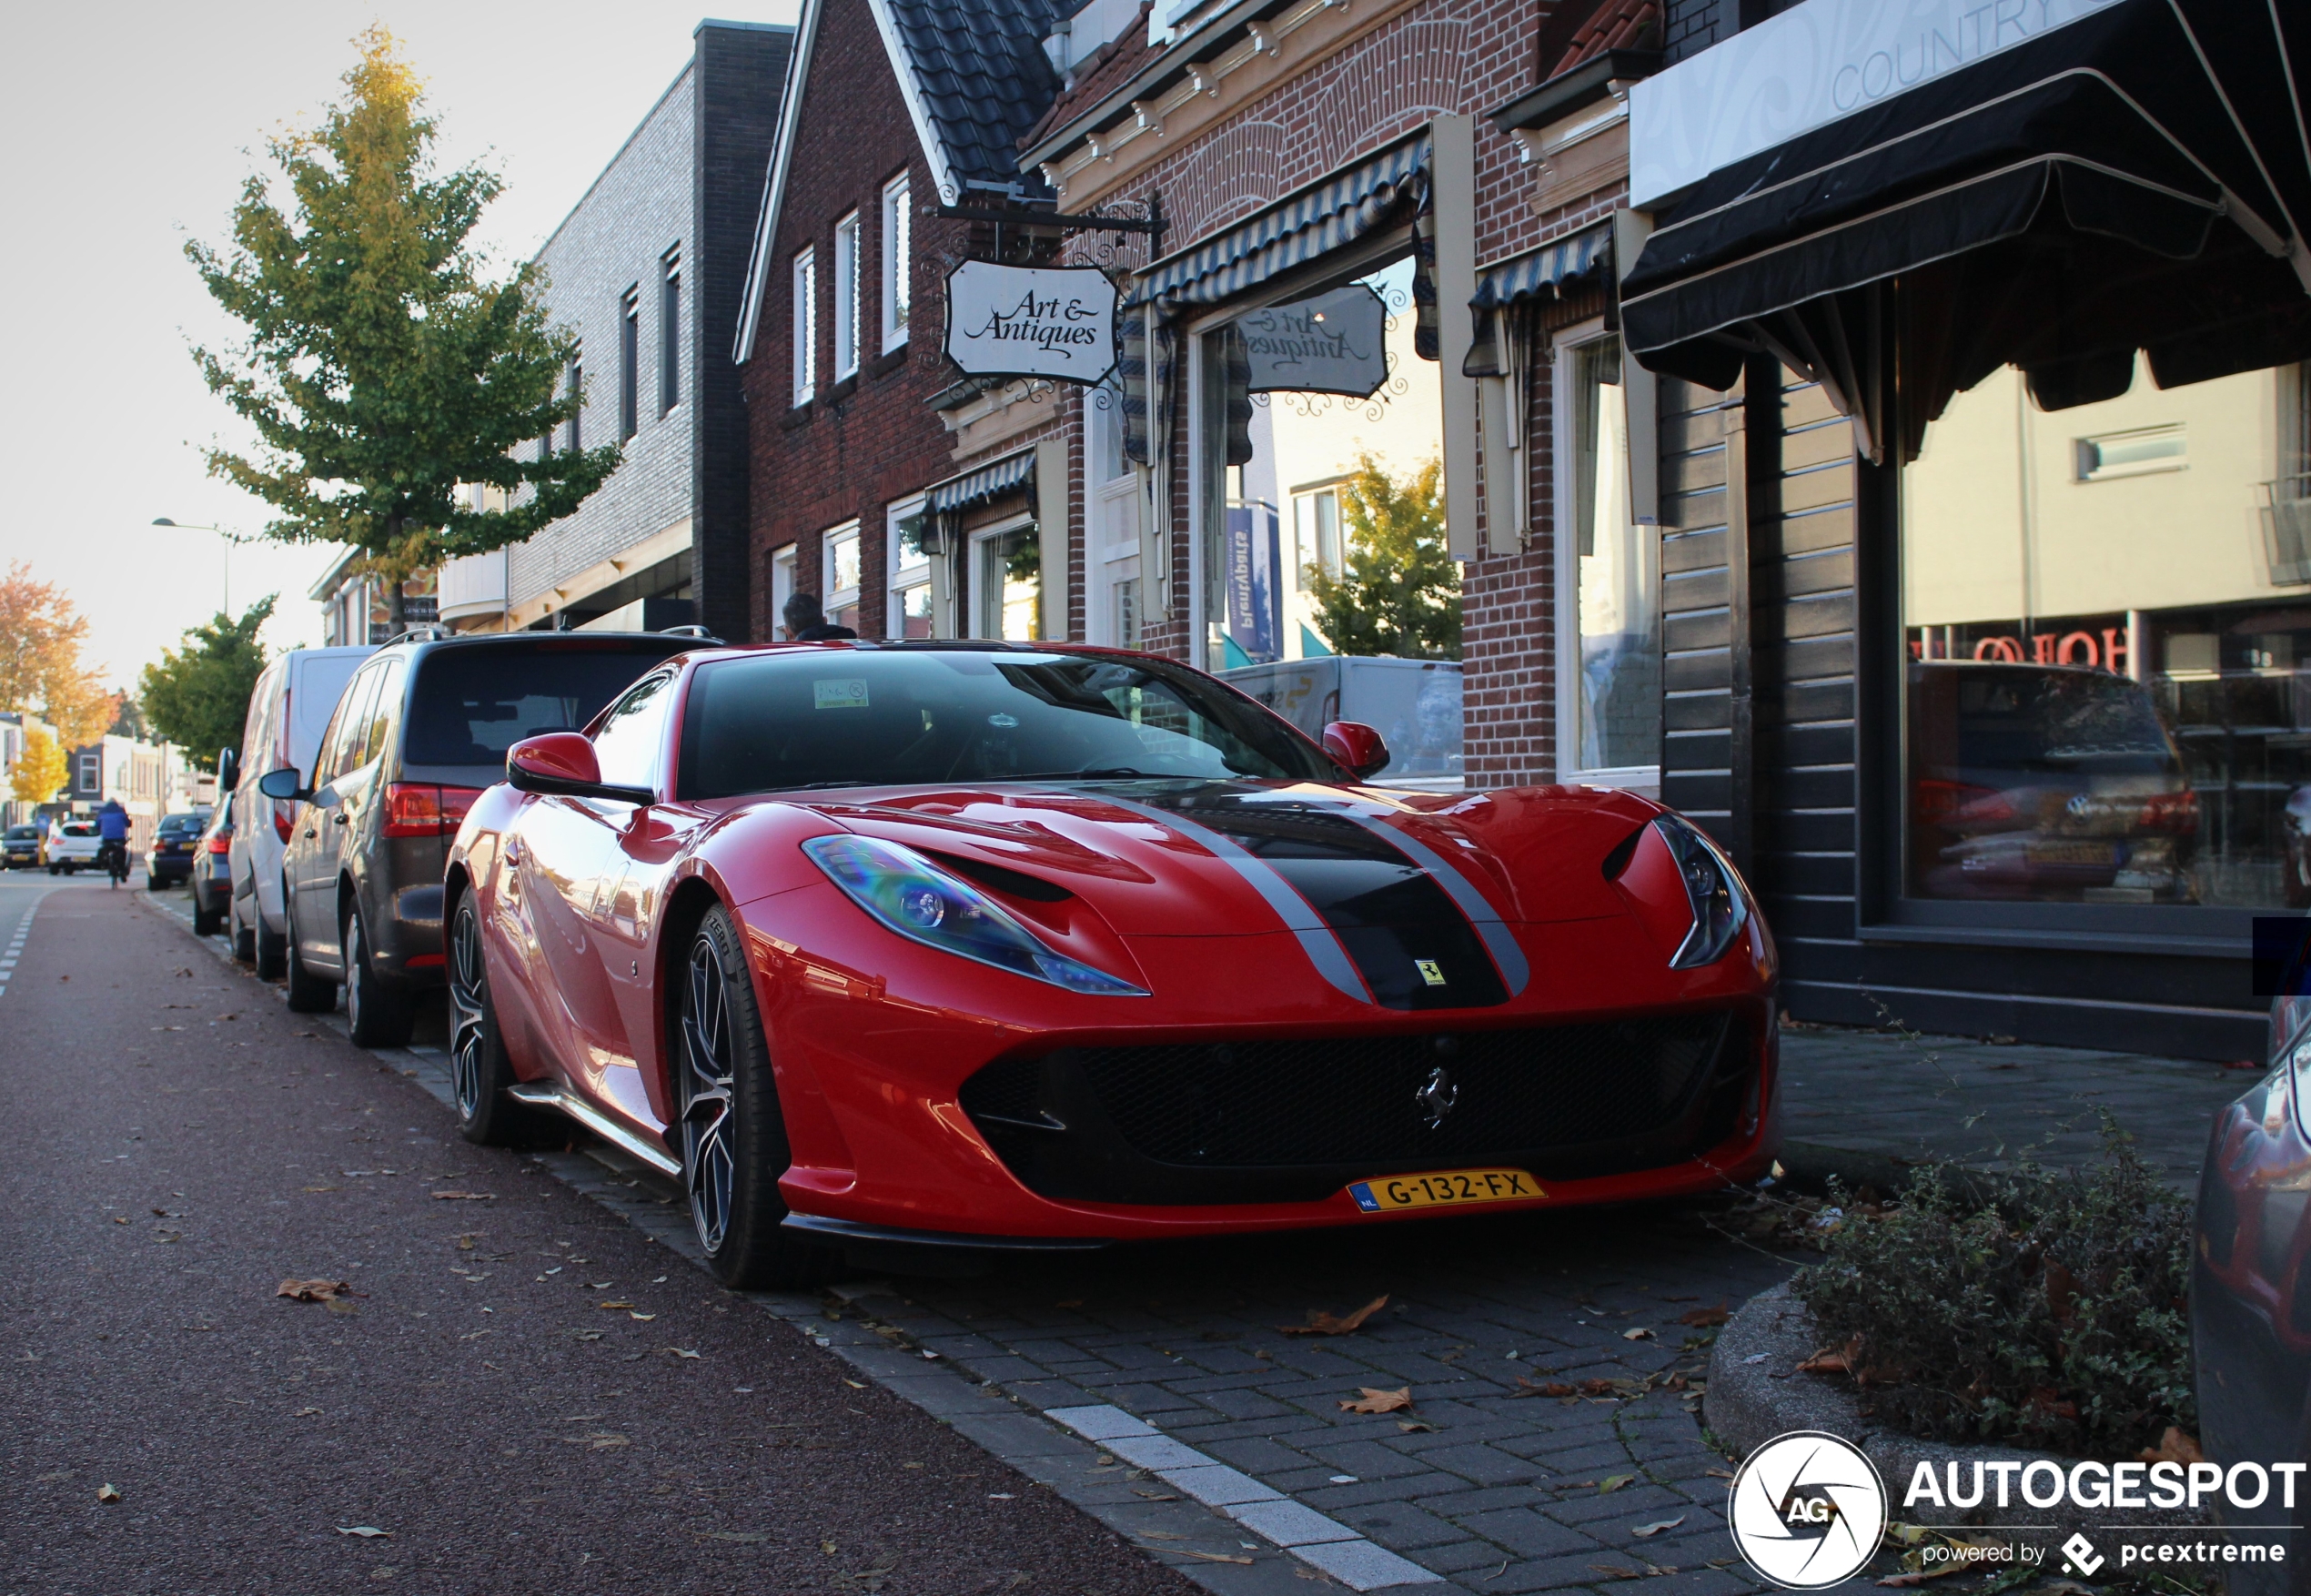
[1807,1509]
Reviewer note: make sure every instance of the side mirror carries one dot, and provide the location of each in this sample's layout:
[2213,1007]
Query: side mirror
[1356,746]
[282,784]
[228,769]
[563,763]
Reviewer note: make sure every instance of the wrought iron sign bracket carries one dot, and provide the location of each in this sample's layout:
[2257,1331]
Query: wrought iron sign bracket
[1021,216]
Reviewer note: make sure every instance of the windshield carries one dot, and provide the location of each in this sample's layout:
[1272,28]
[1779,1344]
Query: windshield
[897,716]
[473,703]
[181,825]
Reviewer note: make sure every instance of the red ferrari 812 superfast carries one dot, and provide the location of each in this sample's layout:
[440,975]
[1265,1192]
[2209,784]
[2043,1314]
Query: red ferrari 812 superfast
[987,944]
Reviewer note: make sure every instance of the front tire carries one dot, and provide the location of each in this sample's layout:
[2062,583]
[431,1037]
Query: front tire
[378,1012]
[481,1074]
[307,992]
[243,939]
[733,1136]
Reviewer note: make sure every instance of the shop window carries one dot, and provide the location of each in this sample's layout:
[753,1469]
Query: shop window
[1609,567]
[1006,583]
[2108,677]
[839,573]
[1320,431]
[911,593]
[897,263]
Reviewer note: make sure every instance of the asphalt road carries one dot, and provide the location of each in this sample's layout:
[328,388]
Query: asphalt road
[521,1392]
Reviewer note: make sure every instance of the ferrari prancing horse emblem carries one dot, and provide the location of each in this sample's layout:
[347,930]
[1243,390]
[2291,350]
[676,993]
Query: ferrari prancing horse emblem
[1430,971]
[1437,1095]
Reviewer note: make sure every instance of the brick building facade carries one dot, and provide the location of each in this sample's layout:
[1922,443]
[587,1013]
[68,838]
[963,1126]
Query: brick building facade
[895,108]
[647,269]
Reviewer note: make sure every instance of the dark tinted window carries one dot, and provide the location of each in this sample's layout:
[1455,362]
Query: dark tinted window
[473,703]
[872,717]
[181,825]
[23,834]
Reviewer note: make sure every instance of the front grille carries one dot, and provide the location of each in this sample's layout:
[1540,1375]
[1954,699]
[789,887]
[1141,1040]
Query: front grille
[1295,1119]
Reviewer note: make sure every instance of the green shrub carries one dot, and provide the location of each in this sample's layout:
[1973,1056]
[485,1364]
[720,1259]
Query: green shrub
[2046,1311]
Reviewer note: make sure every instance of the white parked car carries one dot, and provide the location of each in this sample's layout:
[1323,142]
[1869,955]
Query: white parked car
[71,844]
[287,715]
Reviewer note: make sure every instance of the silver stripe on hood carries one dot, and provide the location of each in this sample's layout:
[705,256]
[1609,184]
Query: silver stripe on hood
[1498,940]
[1324,950]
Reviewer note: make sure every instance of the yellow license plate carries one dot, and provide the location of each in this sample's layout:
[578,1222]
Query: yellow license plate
[1444,1189]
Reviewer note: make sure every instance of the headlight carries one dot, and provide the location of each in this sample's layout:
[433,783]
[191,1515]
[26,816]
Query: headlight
[1719,909]
[911,895]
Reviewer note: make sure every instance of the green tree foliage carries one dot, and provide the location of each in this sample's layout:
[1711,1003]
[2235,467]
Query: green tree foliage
[1400,590]
[383,368]
[197,696]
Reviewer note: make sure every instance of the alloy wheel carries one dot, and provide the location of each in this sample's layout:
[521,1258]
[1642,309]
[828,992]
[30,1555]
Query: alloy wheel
[708,1065]
[468,991]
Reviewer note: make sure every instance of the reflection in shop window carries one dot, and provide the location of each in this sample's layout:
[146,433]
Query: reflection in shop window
[1315,520]
[1614,573]
[2109,675]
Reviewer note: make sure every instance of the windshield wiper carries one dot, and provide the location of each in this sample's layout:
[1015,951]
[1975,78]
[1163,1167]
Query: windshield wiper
[1089,772]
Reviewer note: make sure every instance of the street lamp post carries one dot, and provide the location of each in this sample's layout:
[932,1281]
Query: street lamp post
[162,521]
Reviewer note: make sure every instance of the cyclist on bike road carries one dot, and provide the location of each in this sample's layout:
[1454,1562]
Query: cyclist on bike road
[112,829]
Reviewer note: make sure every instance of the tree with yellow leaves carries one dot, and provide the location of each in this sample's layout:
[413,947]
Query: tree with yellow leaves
[384,369]
[40,768]
[1398,591]
[40,670]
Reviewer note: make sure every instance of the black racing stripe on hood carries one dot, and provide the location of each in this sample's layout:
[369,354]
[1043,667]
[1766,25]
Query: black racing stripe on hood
[1390,915]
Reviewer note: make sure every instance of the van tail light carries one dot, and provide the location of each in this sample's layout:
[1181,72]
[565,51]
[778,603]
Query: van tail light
[220,845]
[419,809]
[281,823]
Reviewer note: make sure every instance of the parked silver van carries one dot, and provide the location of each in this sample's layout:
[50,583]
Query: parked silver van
[288,711]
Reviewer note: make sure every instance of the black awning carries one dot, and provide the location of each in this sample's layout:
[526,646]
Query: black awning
[2138,179]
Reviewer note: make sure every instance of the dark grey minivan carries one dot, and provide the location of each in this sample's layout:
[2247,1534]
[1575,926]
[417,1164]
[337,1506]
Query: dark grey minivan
[422,728]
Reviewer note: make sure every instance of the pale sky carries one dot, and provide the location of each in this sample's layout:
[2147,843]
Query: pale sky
[130,126]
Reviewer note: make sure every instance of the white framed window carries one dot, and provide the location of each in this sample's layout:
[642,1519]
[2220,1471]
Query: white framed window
[782,590]
[1609,707]
[806,326]
[1315,534]
[898,261]
[1006,581]
[911,615]
[839,574]
[846,297]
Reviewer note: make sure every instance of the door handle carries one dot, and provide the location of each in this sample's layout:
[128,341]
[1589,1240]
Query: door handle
[308,830]
[339,817]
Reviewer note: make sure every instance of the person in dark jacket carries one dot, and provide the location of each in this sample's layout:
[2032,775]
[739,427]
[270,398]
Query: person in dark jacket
[806,622]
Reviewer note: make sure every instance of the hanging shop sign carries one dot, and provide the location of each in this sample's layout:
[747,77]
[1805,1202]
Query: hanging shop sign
[1052,322]
[1334,343]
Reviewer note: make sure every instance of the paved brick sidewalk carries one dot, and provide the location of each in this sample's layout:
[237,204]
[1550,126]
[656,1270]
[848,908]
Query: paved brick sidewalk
[1983,1103]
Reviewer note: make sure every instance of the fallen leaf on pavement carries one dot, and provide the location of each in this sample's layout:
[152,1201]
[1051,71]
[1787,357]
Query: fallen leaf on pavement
[1321,1323]
[1643,1531]
[686,1352]
[108,1493]
[118,1220]
[365,1531]
[464,1197]
[1555,1388]
[1610,1572]
[827,1547]
[1721,1473]
[1833,1359]
[1637,1335]
[615,1304]
[1701,1318]
[1379,1401]
[1613,1482]
[854,1385]
[325,1189]
[314,1290]
[645,1318]
[1198,1556]
[2174,1447]
[1411,1427]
